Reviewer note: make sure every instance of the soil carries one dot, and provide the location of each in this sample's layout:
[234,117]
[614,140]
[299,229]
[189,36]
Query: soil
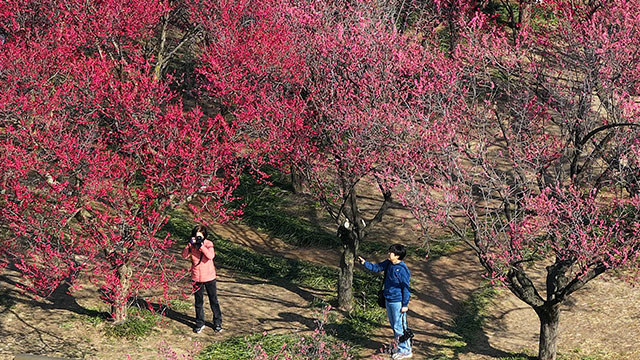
[601,321]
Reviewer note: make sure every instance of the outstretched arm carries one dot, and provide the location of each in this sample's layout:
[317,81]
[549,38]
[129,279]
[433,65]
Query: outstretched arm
[373,267]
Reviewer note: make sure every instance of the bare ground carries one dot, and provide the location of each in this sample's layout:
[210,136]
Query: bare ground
[601,320]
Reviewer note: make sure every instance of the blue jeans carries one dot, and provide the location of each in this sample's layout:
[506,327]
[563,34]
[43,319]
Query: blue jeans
[398,323]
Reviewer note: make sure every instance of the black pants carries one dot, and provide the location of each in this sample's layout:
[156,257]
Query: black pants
[213,301]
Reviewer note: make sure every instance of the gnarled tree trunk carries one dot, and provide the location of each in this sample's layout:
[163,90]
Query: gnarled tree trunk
[121,298]
[345,278]
[296,181]
[352,233]
[549,316]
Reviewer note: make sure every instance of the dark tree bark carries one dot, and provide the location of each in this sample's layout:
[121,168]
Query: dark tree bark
[549,316]
[296,181]
[560,283]
[345,279]
[121,301]
[351,236]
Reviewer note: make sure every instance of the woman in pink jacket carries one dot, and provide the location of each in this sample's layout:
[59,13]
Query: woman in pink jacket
[203,275]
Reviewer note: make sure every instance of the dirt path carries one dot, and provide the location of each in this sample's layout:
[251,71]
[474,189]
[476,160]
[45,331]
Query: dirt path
[439,286]
[603,320]
[66,329]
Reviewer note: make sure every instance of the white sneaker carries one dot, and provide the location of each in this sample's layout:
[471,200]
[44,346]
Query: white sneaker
[198,329]
[406,355]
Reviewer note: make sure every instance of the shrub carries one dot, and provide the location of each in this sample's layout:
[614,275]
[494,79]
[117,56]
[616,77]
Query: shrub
[139,323]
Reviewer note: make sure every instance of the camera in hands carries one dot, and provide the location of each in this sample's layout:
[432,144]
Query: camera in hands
[197,241]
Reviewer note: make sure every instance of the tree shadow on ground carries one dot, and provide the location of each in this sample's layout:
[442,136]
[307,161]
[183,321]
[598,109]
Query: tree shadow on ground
[182,318]
[305,294]
[291,317]
[28,334]
[465,338]
[60,298]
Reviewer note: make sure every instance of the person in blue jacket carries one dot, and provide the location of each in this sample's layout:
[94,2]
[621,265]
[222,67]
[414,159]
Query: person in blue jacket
[396,293]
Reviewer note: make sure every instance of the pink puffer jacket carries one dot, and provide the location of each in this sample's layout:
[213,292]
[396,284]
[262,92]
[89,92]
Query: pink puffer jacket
[205,270]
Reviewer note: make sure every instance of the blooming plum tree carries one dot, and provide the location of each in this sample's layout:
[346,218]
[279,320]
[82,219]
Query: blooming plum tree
[545,163]
[332,89]
[96,149]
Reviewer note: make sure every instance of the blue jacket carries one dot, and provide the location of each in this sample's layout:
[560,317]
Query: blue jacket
[396,284]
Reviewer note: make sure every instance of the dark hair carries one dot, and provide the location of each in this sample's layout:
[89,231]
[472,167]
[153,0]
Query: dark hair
[200,228]
[399,250]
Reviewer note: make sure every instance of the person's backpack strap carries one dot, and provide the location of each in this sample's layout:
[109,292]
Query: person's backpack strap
[386,270]
[382,302]
[384,277]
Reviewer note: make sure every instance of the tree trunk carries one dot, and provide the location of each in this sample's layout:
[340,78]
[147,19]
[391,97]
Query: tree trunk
[121,298]
[549,319]
[160,56]
[453,30]
[524,18]
[345,280]
[351,234]
[296,181]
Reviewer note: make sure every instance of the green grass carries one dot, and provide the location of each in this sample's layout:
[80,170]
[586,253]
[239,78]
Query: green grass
[95,315]
[438,248]
[7,301]
[538,17]
[242,348]
[139,323]
[354,327]
[357,326]
[472,315]
[66,325]
[236,347]
[178,226]
[269,209]
[578,354]
[179,305]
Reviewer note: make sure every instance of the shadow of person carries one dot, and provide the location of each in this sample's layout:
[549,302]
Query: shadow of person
[168,312]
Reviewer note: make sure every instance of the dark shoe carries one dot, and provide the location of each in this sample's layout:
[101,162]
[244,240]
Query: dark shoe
[218,328]
[198,329]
